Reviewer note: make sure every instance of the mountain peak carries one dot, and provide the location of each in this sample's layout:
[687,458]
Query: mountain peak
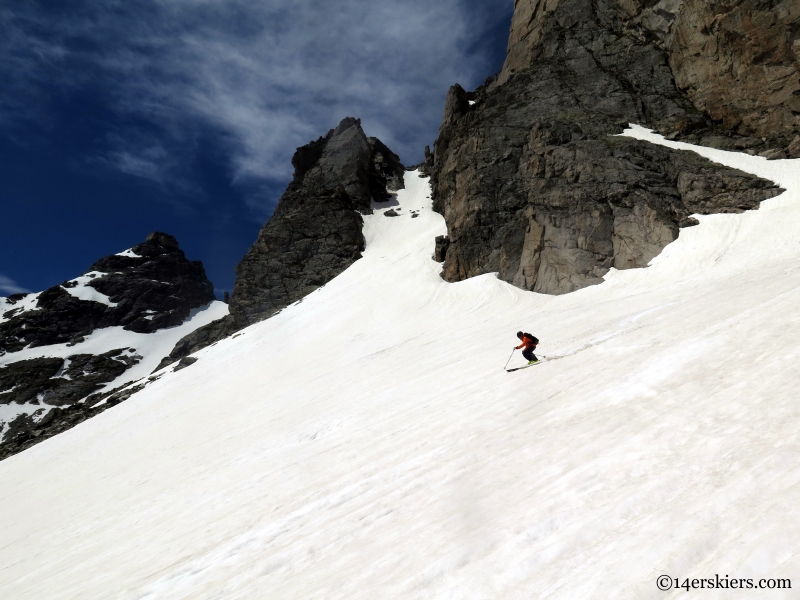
[163,239]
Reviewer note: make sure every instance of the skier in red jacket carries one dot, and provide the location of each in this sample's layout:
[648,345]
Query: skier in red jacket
[529,343]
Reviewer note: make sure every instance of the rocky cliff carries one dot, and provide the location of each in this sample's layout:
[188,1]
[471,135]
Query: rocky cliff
[527,172]
[736,61]
[314,233]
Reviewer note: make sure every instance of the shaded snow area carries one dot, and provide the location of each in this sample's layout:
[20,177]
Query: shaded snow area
[366,442]
[151,347]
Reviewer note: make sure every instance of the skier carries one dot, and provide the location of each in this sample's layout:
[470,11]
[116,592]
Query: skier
[529,343]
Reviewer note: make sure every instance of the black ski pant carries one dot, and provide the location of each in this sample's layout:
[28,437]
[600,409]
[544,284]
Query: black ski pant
[528,353]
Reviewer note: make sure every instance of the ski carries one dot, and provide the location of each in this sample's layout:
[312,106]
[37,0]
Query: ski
[538,362]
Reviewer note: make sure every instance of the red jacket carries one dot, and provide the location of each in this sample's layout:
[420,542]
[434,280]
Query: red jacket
[526,343]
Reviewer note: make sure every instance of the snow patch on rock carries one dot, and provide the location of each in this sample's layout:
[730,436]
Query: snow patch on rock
[80,288]
[129,253]
[9,308]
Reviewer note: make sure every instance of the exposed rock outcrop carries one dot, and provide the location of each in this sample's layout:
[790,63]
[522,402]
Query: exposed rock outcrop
[440,250]
[314,233]
[528,175]
[386,171]
[200,338]
[58,381]
[53,394]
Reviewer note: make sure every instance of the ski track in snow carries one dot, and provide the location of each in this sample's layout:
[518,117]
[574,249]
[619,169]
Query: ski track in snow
[366,442]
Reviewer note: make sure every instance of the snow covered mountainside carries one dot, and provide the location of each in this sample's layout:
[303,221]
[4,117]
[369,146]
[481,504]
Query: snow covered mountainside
[366,442]
[64,351]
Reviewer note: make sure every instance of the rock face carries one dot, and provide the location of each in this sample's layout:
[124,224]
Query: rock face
[386,171]
[736,61]
[528,175]
[146,288]
[314,233]
[200,338]
[39,384]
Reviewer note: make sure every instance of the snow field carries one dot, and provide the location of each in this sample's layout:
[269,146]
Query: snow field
[366,443]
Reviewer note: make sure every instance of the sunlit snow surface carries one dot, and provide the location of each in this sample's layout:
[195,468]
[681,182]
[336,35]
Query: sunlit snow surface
[366,443]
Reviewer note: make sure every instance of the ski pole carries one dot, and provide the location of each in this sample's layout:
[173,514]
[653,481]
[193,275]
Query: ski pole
[509,358]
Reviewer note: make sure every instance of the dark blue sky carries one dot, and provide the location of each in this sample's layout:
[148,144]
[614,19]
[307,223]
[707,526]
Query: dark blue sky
[118,120]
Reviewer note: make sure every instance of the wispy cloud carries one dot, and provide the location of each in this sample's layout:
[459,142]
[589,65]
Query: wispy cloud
[259,76]
[9,286]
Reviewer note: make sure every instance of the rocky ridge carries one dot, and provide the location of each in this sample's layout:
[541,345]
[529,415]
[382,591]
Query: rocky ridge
[529,175]
[29,429]
[144,289]
[314,233]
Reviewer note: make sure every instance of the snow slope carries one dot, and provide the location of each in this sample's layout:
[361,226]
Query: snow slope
[366,443]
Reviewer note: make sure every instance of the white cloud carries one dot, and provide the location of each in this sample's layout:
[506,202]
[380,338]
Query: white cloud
[9,286]
[148,164]
[265,76]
